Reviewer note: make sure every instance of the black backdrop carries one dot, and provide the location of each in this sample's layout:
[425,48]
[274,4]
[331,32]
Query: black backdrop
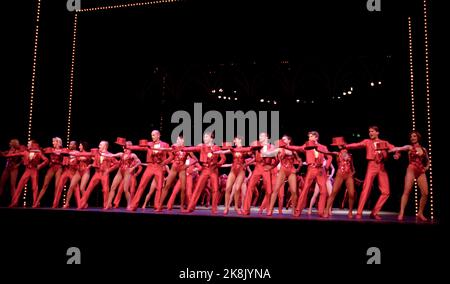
[136,66]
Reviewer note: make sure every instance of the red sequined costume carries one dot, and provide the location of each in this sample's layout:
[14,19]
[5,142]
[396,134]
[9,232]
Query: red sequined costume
[33,162]
[210,171]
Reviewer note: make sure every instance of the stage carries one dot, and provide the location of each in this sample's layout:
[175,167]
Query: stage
[339,215]
[175,240]
[117,70]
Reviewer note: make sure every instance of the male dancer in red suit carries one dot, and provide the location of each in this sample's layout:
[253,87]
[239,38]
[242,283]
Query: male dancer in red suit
[376,154]
[263,167]
[210,170]
[54,170]
[315,172]
[33,160]
[104,164]
[12,166]
[70,166]
[156,161]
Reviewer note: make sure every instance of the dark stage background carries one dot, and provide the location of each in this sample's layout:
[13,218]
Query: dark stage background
[134,67]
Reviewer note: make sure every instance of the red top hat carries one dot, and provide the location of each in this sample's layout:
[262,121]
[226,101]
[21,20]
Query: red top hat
[94,151]
[143,142]
[309,145]
[121,141]
[338,141]
[381,145]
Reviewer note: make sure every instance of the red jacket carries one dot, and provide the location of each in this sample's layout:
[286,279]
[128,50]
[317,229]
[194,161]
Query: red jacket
[369,144]
[314,157]
[35,161]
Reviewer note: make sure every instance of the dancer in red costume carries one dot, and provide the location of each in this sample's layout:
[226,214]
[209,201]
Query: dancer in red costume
[316,171]
[376,154]
[192,174]
[417,168]
[33,160]
[178,158]
[153,187]
[70,168]
[133,184]
[238,193]
[81,177]
[128,163]
[54,170]
[11,169]
[263,167]
[222,186]
[287,171]
[210,170]
[329,185]
[237,173]
[104,164]
[345,173]
[156,161]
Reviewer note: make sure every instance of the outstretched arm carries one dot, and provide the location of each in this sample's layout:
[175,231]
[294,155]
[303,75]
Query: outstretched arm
[296,148]
[270,153]
[358,145]
[401,149]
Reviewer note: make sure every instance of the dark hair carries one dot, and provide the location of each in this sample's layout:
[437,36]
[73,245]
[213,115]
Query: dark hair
[287,136]
[85,145]
[419,136]
[76,143]
[315,133]
[374,127]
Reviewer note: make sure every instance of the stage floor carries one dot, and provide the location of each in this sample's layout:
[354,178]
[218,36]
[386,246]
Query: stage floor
[338,215]
[176,240]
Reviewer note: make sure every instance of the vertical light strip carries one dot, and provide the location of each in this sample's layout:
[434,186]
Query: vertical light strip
[69,109]
[72,67]
[427,92]
[33,77]
[413,111]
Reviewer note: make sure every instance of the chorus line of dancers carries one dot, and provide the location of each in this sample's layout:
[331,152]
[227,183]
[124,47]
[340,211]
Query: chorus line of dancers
[194,173]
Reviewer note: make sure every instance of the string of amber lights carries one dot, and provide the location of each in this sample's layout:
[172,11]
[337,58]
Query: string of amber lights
[128,5]
[428,104]
[33,80]
[413,112]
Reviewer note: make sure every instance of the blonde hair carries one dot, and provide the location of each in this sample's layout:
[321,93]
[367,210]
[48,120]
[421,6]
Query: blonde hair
[58,140]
